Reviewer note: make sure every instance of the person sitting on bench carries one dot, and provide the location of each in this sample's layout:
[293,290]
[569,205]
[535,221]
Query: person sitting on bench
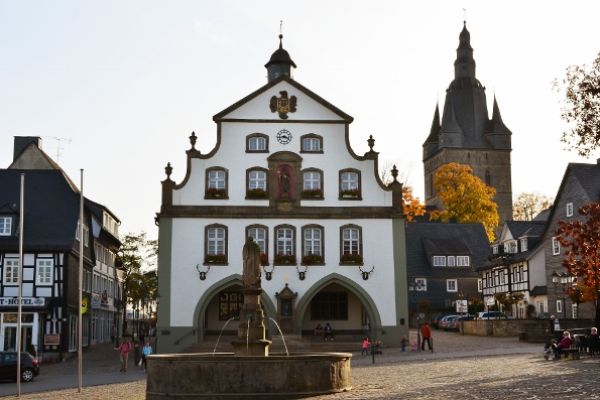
[328,331]
[564,344]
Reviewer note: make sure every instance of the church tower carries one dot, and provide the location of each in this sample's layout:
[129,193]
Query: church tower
[466,135]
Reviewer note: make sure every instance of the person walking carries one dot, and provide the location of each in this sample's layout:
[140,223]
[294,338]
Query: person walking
[146,351]
[365,347]
[124,348]
[426,337]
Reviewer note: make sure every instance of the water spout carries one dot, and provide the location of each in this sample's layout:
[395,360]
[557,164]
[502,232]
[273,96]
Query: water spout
[220,333]
[287,353]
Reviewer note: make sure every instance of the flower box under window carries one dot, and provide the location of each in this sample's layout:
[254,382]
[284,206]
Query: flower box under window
[312,259]
[264,259]
[351,259]
[256,194]
[213,193]
[285,259]
[215,259]
[312,194]
[350,194]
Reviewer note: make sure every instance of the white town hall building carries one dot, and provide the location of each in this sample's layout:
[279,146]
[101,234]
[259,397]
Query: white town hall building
[331,234]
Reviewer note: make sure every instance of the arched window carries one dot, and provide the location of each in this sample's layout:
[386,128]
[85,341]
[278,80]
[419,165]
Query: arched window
[257,183]
[312,245]
[311,143]
[351,245]
[216,183]
[350,187]
[488,177]
[285,245]
[312,183]
[257,143]
[260,234]
[215,244]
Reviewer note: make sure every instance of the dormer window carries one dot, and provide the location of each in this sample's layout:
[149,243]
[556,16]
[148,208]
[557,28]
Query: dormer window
[510,247]
[439,261]
[311,143]
[257,143]
[523,244]
[5,226]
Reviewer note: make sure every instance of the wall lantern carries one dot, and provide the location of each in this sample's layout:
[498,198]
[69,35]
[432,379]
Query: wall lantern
[268,273]
[365,274]
[302,272]
[202,273]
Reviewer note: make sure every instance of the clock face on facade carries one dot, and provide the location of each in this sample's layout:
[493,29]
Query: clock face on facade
[284,136]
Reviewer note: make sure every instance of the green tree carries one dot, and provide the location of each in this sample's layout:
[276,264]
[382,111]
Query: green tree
[465,198]
[581,108]
[135,253]
[581,241]
[528,205]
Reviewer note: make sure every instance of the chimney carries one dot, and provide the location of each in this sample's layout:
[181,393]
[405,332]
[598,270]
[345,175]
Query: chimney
[21,143]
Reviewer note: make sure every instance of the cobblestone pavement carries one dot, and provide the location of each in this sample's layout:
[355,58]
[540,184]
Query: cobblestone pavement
[462,367]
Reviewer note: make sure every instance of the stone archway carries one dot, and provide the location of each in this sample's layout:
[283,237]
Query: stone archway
[214,290]
[352,287]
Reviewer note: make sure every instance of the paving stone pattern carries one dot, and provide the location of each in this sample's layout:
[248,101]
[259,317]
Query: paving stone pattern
[462,367]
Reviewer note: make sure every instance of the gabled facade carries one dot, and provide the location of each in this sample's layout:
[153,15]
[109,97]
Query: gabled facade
[466,135]
[580,185]
[51,258]
[441,259]
[516,270]
[282,172]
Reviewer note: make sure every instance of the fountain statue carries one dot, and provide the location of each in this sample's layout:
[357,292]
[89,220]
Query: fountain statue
[252,339]
[250,371]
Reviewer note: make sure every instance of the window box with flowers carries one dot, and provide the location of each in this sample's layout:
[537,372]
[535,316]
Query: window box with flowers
[215,259]
[312,194]
[350,194]
[312,259]
[285,259]
[351,259]
[264,259]
[256,194]
[214,193]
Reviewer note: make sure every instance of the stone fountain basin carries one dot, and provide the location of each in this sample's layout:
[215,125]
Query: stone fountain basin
[224,375]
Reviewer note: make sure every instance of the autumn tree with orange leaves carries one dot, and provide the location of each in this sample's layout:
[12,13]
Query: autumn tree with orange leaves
[581,240]
[412,206]
[465,198]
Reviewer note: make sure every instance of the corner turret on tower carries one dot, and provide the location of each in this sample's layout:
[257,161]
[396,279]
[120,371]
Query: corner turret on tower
[280,64]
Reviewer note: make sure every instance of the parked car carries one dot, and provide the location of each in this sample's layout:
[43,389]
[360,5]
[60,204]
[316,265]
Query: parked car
[491,315]
[446,322]
[30,366]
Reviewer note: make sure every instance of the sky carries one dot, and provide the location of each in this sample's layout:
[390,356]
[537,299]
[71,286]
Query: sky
[116,87]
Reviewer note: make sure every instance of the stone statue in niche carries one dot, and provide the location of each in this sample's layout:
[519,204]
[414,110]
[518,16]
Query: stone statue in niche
[251,269]
[284,184]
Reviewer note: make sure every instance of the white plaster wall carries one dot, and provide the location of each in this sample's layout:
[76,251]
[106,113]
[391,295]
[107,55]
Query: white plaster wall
[188,250]
[232,156]
[259,107]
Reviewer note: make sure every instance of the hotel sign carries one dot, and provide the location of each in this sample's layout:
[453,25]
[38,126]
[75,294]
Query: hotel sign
[25,301]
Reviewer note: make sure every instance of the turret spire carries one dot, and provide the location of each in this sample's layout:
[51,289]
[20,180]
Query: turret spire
[281,63]
[464,66]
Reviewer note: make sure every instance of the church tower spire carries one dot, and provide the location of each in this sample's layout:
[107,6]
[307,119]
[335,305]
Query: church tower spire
[464,66]
[280,64]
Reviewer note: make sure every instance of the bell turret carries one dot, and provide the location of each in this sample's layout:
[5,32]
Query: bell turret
[280,64]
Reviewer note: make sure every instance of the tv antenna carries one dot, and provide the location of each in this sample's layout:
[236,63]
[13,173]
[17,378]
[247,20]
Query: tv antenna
[59,144]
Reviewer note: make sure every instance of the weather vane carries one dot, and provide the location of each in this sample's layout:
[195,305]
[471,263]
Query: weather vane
[465,15]
[280,27]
